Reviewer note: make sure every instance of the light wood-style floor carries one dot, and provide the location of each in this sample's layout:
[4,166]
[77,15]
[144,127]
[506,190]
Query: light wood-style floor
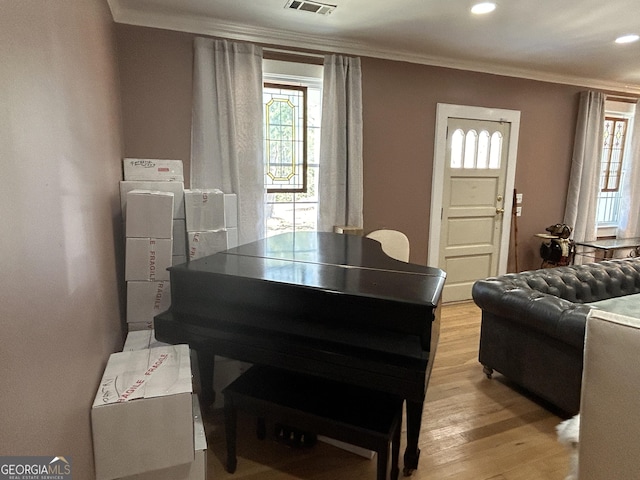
[473,428]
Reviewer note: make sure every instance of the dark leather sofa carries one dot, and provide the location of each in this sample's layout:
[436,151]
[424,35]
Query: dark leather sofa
[533,324]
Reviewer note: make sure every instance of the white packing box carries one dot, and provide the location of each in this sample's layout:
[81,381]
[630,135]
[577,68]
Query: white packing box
[210,209]
[147,259]
[177,188]
[142,416]
[149,214]
[145,300]
[179,237]
[196,470]
[153,169]
[230,210]
[138,326]
[141,340]
[206,243]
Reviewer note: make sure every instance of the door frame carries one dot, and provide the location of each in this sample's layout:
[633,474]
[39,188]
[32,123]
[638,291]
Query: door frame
[444,111]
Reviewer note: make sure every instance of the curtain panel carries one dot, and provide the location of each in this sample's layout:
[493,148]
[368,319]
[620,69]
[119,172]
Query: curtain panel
[340,184]
[629,223]
[584,180]
[227,131]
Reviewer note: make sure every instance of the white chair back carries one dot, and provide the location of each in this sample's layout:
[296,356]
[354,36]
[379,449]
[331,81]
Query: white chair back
[394,243]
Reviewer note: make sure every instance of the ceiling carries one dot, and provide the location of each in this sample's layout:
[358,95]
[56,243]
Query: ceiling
[570,41]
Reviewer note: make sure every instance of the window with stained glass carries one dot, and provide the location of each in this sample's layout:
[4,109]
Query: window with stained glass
[611,170]
[292,208]
[285,137]
[615,130]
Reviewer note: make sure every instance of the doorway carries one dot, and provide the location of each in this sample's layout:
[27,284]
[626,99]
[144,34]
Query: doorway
[472,194]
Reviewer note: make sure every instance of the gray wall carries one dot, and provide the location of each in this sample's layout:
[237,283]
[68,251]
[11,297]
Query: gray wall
[60,243]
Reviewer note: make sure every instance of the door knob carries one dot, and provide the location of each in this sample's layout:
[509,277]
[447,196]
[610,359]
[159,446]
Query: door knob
[499,210]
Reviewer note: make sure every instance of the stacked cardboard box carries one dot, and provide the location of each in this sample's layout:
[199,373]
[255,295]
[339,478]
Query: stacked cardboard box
[211,221]
[146,423]
[152,200]
[141,340]
[165,176]
[145,339]
[212,226]
[149,232]
[152,169]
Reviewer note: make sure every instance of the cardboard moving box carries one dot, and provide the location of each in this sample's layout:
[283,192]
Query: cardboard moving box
[179,237]
[202,244]
[210,209]
[153,169]
[196,470]
[142,416]
[141,340]
[147,259]
[138,326]
[149,214]
[177,188]
[145,300]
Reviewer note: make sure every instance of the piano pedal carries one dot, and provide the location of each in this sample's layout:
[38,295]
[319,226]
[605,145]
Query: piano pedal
[293,437]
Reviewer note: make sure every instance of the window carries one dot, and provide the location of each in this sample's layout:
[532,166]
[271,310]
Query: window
[475,150]
[292,112]
[285,138]
[613,163]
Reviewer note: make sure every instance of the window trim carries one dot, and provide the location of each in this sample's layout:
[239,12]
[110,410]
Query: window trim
[618,174]
[626,110]
[310,76]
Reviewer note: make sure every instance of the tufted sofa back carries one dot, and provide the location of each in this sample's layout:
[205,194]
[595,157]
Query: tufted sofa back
[580,283]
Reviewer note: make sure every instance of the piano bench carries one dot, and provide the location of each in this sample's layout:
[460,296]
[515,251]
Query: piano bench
[366,418]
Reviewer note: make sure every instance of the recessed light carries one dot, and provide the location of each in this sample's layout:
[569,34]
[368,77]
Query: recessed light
[482,8]
[628,38]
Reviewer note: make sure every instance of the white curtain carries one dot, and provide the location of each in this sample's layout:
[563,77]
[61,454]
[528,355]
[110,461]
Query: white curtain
[226,132]
[629,223]
[340,182]
[584,182]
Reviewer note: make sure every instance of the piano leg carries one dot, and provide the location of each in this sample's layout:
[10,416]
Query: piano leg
[230,421]
[414,423]
[206,360]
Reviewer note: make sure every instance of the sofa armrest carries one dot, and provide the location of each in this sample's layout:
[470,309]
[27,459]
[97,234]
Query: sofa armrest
[609,426]
[548,314]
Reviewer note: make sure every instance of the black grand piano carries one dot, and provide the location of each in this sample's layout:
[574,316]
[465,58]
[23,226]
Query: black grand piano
[324,304]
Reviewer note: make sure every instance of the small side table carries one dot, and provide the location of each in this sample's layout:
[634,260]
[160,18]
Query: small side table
[609,245]
[355,415]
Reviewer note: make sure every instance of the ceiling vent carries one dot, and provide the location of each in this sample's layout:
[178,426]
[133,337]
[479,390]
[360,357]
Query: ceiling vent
[309,6]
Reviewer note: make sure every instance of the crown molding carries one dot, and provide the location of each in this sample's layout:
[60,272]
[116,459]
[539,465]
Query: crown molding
[212,27]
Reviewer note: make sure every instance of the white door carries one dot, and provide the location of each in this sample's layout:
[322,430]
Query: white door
[472,203]
[472,191]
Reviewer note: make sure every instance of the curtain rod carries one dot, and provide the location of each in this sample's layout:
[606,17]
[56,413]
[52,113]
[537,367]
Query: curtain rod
[292,52]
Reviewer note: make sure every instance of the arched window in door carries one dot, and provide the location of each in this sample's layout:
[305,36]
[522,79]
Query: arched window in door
[473,150]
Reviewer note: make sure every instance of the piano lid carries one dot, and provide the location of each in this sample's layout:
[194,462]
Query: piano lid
[345,264]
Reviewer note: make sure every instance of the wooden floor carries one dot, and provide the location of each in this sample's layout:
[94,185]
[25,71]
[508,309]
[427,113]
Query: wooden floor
[473,428]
